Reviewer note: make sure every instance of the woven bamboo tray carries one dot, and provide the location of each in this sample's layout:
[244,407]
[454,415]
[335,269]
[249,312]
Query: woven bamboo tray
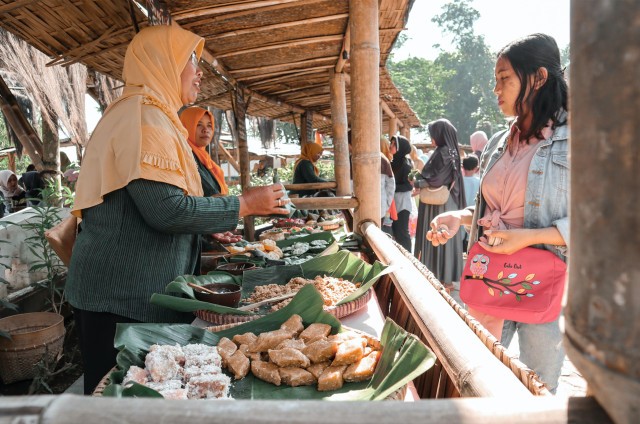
[33,336]
[340,311]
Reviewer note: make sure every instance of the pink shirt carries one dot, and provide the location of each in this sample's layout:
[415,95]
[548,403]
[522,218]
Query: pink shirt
[505,185]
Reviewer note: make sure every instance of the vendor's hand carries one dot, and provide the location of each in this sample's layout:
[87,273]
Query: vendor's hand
[509,241]
[263,201]
[444,227]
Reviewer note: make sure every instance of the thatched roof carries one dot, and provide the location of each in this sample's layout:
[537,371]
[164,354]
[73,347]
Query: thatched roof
[280,51]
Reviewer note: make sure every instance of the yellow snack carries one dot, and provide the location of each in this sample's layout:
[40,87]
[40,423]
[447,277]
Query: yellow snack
[246,338]
[317,369]
[238,364]
[266,371]
[320,350]
[331,378]
[349,352]
[315,332]
[226,348]
[293,324]
[269,340]
[288,357]
[294,377]
[363,369]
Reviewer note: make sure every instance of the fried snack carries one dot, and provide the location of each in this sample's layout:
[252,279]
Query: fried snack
[363,369]
[314,332]
[246,338]
[269,245]
[294,377]
[208,386]
[331,378]
[288,357]
[320,350]
[350,352]
[226,348]
[269,340]
[238,364]
[266,371]
[292,343]
[317,369]
[293,324]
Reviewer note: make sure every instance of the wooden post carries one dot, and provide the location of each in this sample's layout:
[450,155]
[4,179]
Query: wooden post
[602,335]
[393,126]
[306,128]
[20,125]
[11,158]
[239,112]
[51,153]
[365,109]
[340,128]
[405,131]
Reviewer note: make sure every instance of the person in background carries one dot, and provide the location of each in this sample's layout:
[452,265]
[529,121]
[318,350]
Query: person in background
[418,163]
[199,124]
[402,166]
[140,198]
[524,185]
[478,140]
[12,194]
[470,168]
[442,169]
[471,179]
[33,184]
[387,188]
[305,169]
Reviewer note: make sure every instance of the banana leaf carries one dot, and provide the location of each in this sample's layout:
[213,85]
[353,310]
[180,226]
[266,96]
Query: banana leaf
[180,297]
[404,357]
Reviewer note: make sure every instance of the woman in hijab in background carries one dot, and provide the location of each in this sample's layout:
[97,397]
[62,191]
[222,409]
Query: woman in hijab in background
[305,169]
[478,140]
[443,168]
[11,191]
[402,166]
[199,123]
[140,198]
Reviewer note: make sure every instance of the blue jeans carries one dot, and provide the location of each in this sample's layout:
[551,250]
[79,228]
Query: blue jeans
[540,348]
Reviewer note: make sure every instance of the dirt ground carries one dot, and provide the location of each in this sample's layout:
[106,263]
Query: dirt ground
[59,382]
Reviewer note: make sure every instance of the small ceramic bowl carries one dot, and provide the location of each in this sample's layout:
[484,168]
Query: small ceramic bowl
[236,268]
[227,294]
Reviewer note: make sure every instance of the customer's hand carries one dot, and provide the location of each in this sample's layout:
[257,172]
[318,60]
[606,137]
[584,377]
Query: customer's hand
[263,201]
[444,227]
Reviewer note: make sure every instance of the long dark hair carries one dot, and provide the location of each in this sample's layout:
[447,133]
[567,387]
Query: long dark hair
[527,55]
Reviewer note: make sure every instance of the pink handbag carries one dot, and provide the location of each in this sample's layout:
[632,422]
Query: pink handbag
[526,286]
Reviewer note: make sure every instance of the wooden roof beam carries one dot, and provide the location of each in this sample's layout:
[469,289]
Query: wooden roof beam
[6,8]
[293,43]
[223,73]
[284,75]
[344,53]
[300,65]
[253,30]
[207,11]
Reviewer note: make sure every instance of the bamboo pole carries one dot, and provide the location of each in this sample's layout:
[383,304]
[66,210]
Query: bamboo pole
[229,158]
[339,128]
[311,186]
[219,10]
[365,109]
[20,125]
[603,304]
[472,367]
[283,45]
[344,53]
[393,126]
[344,202]
[253,30]
[405,131]
[72,409]
[239,112]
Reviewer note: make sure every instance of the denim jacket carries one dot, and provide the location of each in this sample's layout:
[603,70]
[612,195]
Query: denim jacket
[547,195]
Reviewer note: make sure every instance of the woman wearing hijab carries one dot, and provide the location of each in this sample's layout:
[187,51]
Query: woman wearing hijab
[140,198]
[10,190]
[478,140]
[443,168]
[199,124]
[305,169]
[402,166]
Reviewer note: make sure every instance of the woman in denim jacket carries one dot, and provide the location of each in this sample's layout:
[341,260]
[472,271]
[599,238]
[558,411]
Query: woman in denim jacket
[523,199]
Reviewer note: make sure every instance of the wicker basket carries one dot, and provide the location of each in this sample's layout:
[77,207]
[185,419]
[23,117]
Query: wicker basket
[33,335]
[340,311]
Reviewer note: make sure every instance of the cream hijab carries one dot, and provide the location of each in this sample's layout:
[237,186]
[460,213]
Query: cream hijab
[140,135]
